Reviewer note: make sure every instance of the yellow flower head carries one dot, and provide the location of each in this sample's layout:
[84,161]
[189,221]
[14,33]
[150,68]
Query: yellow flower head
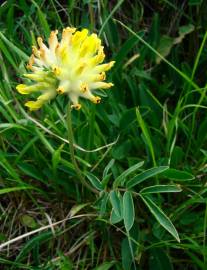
[71,66]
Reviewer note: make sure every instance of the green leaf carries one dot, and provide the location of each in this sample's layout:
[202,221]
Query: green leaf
[42,19]
[105,266]
[161,189]
[12,189]
[9,168]
[7,54]
[56,157]
[28,221]
[146,134]
[159,260]
[125,49]
[104,200]
[108,167]
[121,178]
[178,175]
[65,263]
[194,2]
[32,243]
[126,255]
[128,117]
[116,201]
[186,29]
[94,181]
[114,218]
[128,210]
[43,22]
[76,208]
[14,48]
[145,175]
[31,170]
[165,45]
[121,150]
[183,31]
[161,217]
[106,180]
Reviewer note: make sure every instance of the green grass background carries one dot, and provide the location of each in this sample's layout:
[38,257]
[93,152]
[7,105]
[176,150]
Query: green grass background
[155,113]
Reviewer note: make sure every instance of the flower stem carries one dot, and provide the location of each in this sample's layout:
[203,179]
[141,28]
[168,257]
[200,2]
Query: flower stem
[72,152]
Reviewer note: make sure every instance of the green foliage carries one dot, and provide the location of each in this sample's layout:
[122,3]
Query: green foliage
[140,202]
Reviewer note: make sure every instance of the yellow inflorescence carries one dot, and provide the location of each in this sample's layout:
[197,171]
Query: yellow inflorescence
[71,66]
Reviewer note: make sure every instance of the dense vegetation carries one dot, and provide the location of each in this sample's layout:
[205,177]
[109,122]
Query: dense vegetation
[146,205]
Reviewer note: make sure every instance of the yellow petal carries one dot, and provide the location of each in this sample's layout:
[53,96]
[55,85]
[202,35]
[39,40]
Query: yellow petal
[21,89]
[27,89]
[104,67]
[96,100]
[47,96]
[35,77]
[84,87]
[53,41]
[91,97]
[34,105]
[74,98]
[67,34]
[63,87]
[80,68]
[57,70]
[102,85]
[90,45]
[31,62]
[79,37]
[98,58]
[35,51]
[76,106]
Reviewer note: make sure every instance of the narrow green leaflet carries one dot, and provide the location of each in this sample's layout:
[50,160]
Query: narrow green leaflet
[94,181]
[128,210]
[114,218]
[161,217]
[121,178]
[108,167]
[145,175]
[103,205]
[116,201]
[178,175]
[161,189]
[76,208]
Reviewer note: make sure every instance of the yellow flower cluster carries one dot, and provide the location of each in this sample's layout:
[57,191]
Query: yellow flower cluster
[71,66]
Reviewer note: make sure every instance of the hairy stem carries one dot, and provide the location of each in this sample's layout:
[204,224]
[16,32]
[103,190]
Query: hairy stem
[72,152]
